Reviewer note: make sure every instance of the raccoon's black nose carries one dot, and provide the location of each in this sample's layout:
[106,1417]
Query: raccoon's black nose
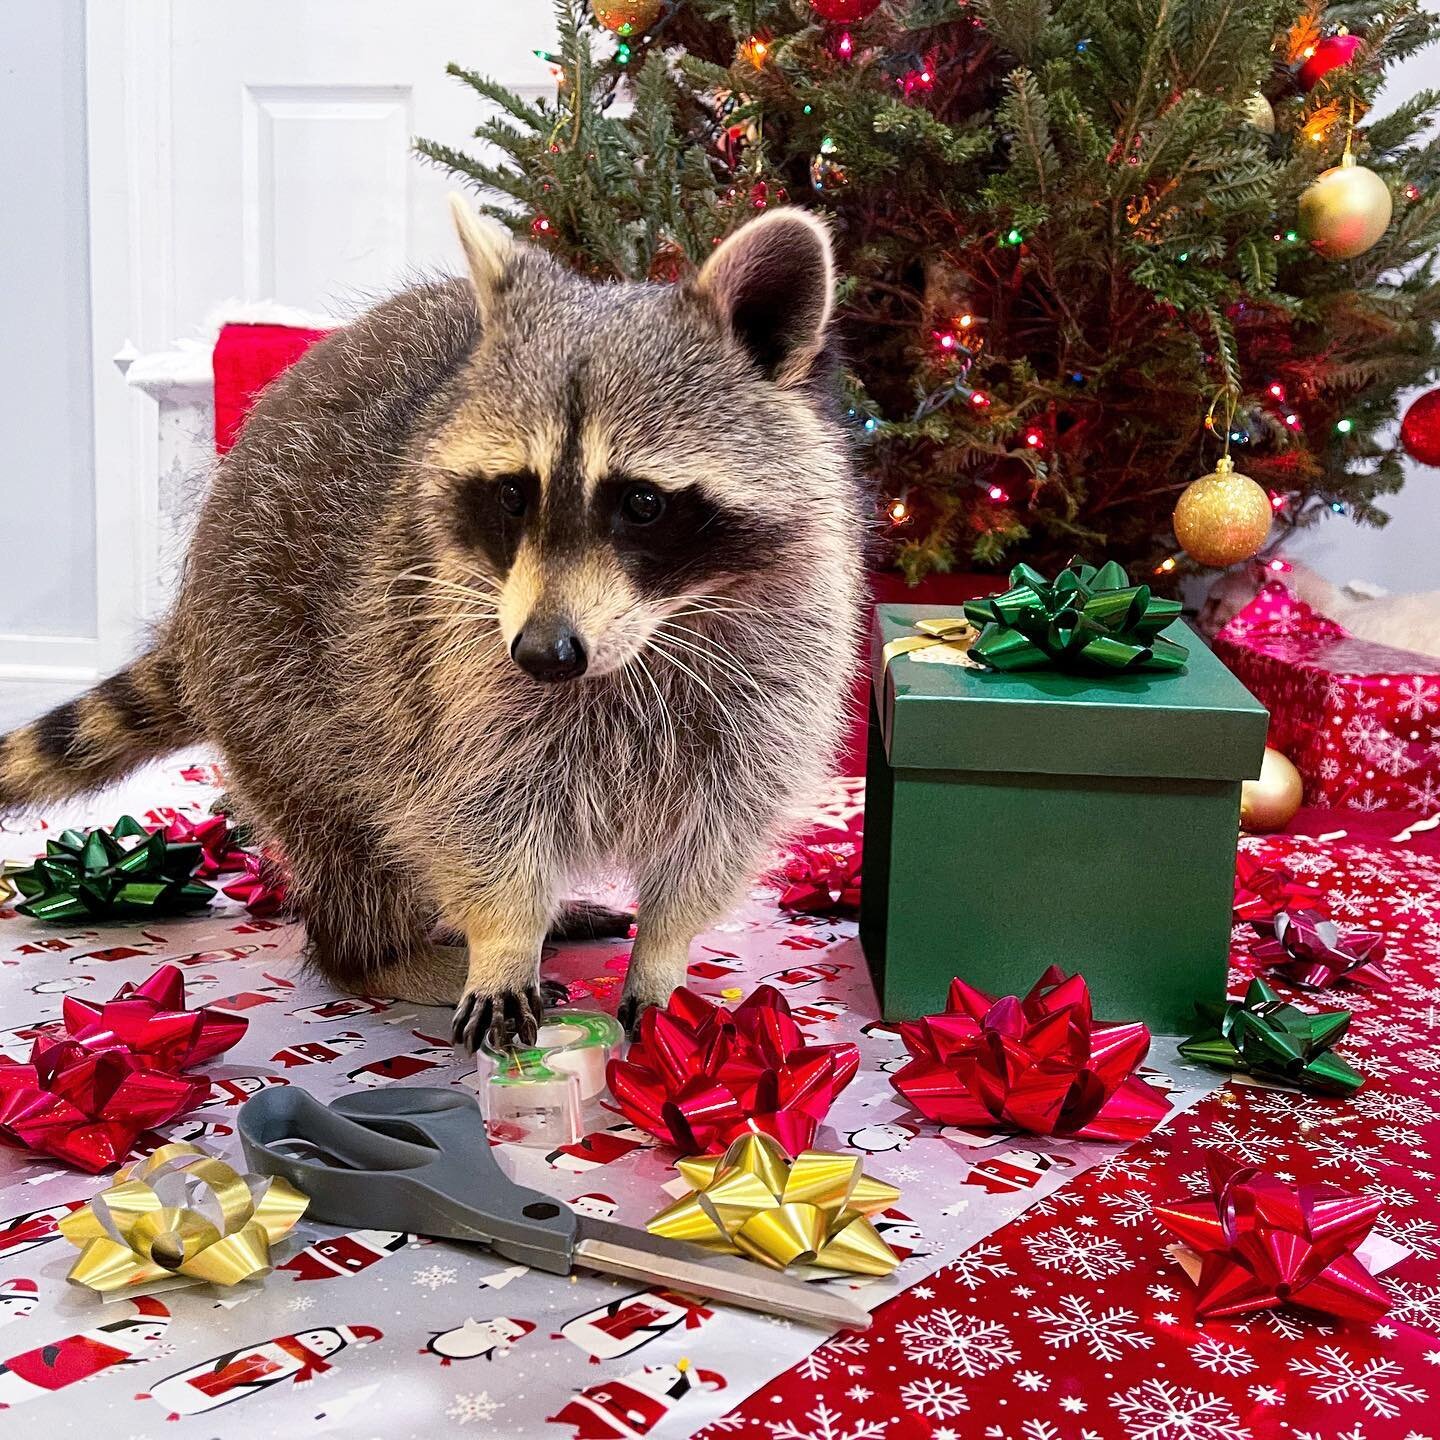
[549,650]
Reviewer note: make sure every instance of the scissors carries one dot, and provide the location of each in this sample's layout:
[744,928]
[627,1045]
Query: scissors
[418,1159]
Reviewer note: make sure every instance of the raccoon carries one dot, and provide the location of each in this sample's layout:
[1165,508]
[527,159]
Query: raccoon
[516,579]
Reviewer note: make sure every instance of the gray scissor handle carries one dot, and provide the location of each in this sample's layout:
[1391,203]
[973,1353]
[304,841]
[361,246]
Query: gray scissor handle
[415,1159]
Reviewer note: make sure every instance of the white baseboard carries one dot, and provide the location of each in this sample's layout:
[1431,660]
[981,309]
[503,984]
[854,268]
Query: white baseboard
[63,659]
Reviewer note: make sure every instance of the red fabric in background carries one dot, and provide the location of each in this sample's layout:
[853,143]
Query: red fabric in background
[1360,721]
[247,358]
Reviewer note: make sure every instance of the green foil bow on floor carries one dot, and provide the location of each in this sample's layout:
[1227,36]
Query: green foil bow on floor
[1265,1036]
[1086,619]
[100,873]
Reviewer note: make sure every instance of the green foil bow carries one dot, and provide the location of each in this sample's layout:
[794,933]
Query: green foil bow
[100,873]
[1264,1035]
[1087,619]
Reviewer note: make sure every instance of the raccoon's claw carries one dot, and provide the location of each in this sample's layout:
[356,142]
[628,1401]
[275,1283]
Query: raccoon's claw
[554,992]
[505,1020]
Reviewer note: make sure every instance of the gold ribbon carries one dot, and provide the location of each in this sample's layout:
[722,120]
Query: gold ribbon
[954,632]
[754,1200]
[180,1212]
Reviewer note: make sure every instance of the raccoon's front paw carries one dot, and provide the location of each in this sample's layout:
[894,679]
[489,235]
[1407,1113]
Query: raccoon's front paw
[506,1019]
[633,1004]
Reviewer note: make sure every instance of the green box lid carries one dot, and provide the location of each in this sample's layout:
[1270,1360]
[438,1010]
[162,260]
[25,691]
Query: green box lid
[1199,723]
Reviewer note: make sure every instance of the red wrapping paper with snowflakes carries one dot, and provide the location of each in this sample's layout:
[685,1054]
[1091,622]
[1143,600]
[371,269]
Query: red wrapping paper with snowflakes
[1360,721]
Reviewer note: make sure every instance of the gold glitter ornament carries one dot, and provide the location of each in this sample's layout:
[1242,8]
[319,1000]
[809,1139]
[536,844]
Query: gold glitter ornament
[1346,211]
[1223,517]
[1270,802]
[627,17]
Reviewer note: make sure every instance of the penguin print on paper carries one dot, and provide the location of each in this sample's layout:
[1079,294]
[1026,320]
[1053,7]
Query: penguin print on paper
[18,1299]
[346,1254]
[235,1374]
[478,1339]
[113,1342]
[634,1404]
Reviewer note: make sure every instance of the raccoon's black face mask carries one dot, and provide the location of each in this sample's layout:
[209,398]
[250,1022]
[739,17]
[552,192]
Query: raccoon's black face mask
[624,453]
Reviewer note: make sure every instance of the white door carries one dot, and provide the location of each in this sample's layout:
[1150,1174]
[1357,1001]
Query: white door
[262,152]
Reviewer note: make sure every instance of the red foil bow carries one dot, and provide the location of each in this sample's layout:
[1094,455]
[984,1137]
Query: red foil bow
[1041,1065]
[87,1106]
[149,1021]
[1263,1243]
[1262,891]
[822,880]
[1307,948]
[700,1075]
[261,885]
[215,835]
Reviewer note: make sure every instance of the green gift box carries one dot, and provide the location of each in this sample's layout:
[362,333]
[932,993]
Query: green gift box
[1017,820]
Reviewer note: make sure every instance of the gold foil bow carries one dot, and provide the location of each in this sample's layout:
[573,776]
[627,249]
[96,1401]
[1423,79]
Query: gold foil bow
[180,1215]
[755,1200]
[954,632]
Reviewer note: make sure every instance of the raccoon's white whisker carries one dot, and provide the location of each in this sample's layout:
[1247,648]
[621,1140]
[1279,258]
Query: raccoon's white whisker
[709,651]
[657,645]
[455,587]
[665,717]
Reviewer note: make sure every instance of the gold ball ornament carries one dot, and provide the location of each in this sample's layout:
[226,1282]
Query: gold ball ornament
[1256,110]
[1270,802]
[627,17]
[1223,517]
[1346,210]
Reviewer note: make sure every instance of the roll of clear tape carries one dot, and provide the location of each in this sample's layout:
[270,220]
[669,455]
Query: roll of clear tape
[536,1094]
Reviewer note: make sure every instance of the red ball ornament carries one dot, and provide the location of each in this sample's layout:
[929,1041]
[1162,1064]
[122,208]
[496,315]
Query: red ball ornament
[1420,429]
[844,12]
[1330,54]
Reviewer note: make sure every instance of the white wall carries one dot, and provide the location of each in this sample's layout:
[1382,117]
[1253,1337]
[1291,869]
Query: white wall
[47,500]
[1405,554]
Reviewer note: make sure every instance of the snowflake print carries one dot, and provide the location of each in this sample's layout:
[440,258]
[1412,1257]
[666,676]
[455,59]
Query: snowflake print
[1390,1105]
[1426,794]
[1091,1257]
[1400,1134]
[1333,1152]
[1417,697]
[1421,1236]
[1158,1410]
[957,1342]
[978,1264]
[300,1302]
[1121,1167]
[1392,1197]
[1252,1146]
[1130,1207]
[1032,1381]
[935,1399]
[1058,1200]
[1221,1358]
[818,1364]
[479,1406]
[828,1424]
[1373,1384]
[1105,1333]
[1417,1305]
[434,1276]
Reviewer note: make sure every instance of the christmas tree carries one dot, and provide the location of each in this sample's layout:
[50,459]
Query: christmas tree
[1077,262]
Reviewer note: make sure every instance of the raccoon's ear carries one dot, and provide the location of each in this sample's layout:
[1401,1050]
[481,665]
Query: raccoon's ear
[773,282]
[488,248]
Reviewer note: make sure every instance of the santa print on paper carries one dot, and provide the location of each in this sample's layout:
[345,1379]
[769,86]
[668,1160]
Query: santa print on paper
[631,1321]
[232,1376]
[598,1148]
[319,1052]
[62,1362]
[634,1404]
[346,1254]
[478,1339]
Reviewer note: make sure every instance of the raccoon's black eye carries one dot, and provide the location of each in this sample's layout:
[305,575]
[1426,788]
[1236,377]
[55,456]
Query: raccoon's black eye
[642,504]
[512,497]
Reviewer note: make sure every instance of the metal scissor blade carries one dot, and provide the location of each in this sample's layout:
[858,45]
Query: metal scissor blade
[636,1255]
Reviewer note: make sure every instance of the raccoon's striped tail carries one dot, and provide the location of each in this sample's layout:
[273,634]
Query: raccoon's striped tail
[86,743]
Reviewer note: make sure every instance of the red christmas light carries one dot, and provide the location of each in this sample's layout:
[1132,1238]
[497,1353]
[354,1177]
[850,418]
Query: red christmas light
[1034,438]
[979,399]
[998,495]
